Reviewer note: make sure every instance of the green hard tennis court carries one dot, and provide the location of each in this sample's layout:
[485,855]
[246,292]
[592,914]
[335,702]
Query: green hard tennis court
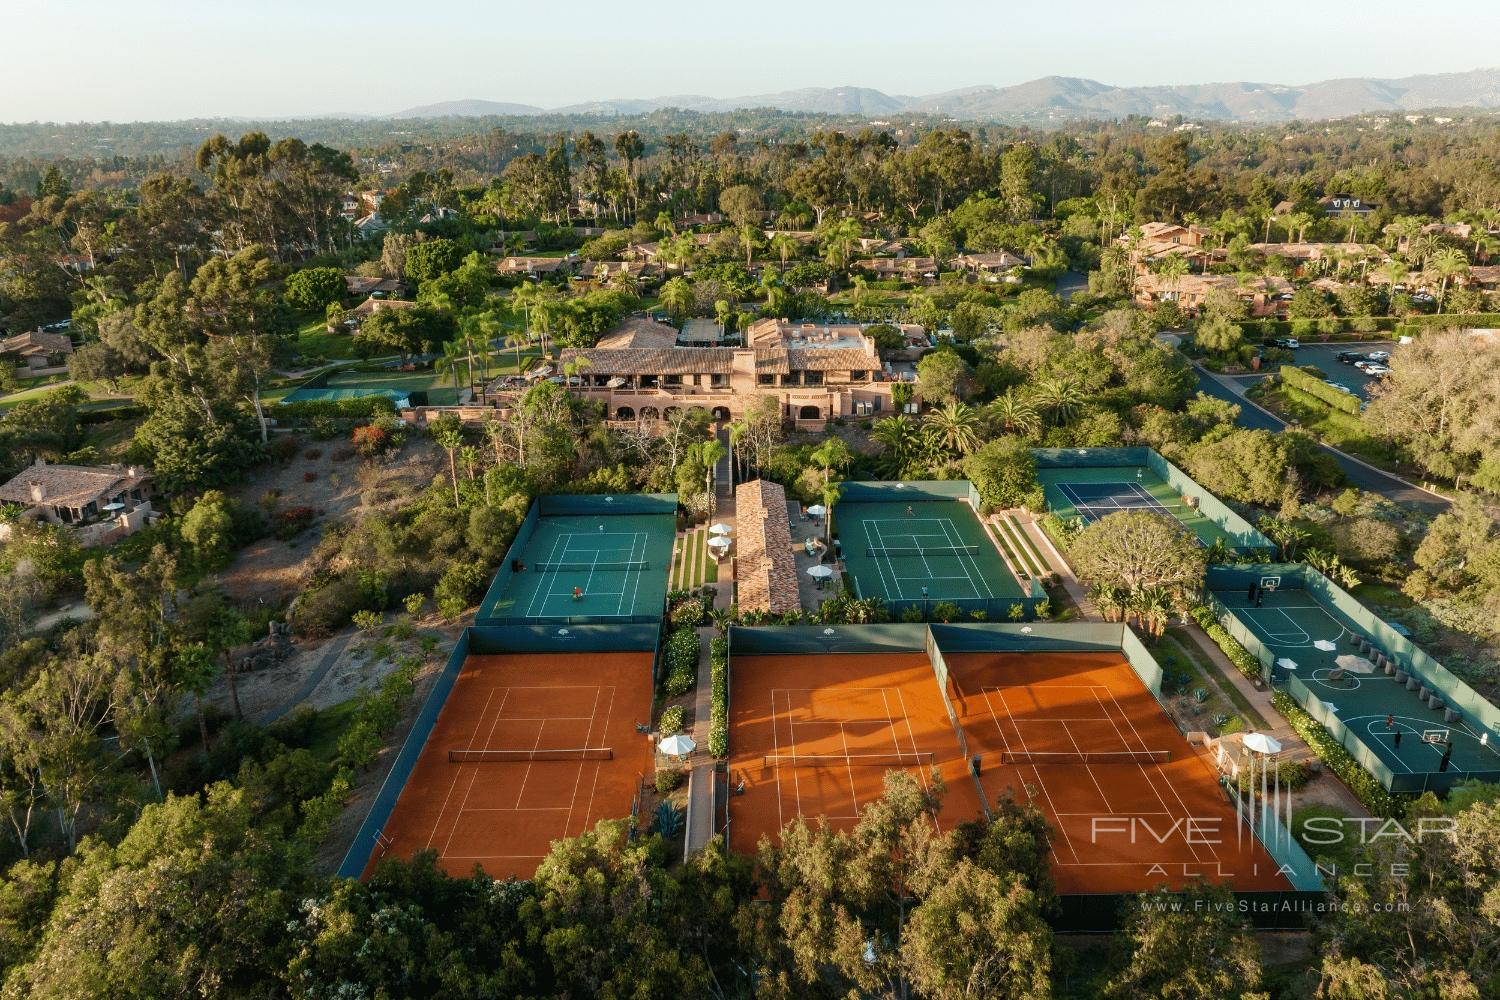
[926,550]
[1092,493]
[1291,623]
[617,564]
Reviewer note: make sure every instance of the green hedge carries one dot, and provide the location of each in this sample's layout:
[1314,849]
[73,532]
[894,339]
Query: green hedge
[356,408]
[718,719]
[682,661]
[1414,325]
[1238,655]
[1330,325]
[1337,759]
[1298,379]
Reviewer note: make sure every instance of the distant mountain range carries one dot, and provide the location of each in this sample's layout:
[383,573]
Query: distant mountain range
[1060,98]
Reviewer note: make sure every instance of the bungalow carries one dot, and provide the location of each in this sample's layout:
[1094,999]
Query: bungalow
[35,350]
[989,266]
[917,269]
[1171,232]
[359,286]
[1263,295]
[372,305]
[1485,277]
[370,226]
[1339,204]
[84,496]
[603,270]
[536,267]
[697,219]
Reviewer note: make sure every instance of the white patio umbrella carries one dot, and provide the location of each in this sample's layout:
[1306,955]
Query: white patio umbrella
[720,529]
[1355,664]
[677,746]
[1325,645]
[719,544]
[817,510]
[1262,743]
[1285,663]
[820,572]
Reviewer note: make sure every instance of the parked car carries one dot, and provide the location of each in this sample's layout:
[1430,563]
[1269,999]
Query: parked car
[1376,370]
[1352,358]
[1290,343]
[1339,386]
[1381,356]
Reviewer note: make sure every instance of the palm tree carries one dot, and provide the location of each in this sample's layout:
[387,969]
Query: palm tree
[677,296]
[831,456]
[784,245]
[448,431]
[955,426]
[515,340]
[839,241]
[1061,396]
[1014,413]
[709,453]
[899,434]
[1171,271]
[452,360]
[1448,263]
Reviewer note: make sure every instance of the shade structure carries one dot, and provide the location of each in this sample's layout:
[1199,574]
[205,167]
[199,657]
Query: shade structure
[820,572]
[1262,743]
[719,542]
[677,746]
[1325,645]
[614,383]
[1355,664]
[1286,663]
[720,529]
[817,510]
[540,372]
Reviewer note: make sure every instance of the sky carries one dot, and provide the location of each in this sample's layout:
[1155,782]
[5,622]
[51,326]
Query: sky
[132,60]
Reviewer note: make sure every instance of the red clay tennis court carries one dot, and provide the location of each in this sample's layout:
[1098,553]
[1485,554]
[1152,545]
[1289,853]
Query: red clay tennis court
[484,791]
[1142,809]
[813,736]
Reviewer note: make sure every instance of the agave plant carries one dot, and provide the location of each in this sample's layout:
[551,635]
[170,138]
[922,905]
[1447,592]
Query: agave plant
[668,820]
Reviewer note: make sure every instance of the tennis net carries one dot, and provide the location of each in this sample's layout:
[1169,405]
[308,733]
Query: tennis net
[482,756]
[913,550]
[1085,757]
[913,759]
[612,566]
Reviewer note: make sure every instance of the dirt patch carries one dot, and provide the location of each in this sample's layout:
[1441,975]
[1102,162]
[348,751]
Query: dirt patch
[327,479]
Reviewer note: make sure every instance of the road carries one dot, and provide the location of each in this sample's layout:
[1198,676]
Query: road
[1366,477]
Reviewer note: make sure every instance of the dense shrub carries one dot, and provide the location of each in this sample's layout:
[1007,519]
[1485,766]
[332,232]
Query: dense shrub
[671,721]
[669,779]
[1238,655]
[718,720]
[681,661]
[356,408]
[460,586]
[1313,386]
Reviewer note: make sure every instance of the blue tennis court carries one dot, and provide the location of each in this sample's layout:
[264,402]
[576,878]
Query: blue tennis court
[1094,500]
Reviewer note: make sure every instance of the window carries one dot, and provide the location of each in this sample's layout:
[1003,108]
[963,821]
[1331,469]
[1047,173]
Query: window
[765,379]
[671,380]
[812,378]
[859,376]
[718,381]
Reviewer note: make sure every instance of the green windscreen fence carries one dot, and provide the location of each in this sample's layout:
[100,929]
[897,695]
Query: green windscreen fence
[892,492]
[1291,860]
[584,504]
[502,581]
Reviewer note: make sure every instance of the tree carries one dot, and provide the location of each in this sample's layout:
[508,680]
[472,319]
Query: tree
[1219,335]
[1003,472]
[1163,928]
[1245,465]
[942,377]
[1135,551]
[1447,264]
[432,259]
[312,289]
[448,431]
[208,528]
[677,297]
[1441,402]
[956,426]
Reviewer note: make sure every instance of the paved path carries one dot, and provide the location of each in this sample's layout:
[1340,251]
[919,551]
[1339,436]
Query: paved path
[1055,562]
[700,813]
[1360,473]
[331,656]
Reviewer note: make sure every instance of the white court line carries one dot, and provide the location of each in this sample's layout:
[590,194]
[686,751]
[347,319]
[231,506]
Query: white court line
[546,585]
[1150,780]
[951,535]
[889,594]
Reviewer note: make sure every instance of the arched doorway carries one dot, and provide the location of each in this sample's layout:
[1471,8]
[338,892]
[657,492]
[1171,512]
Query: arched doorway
[624,413]
[667,413]
[809,413]
[720,413]
[650,413]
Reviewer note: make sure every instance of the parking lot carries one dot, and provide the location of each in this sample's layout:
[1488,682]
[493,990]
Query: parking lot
[1325,358]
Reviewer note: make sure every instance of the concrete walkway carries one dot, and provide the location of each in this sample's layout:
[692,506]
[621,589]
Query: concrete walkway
[330,657]
[700,812]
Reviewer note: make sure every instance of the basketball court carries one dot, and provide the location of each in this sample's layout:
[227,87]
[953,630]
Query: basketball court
[1090,493]
[814,735]
[926,550]
[528,749]
[1132,805]
[1399,719]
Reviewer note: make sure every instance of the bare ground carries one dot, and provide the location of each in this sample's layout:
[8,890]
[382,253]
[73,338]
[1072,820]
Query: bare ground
[272,570]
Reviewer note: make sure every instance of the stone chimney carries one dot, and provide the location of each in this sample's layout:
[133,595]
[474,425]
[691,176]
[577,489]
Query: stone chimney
[38,491]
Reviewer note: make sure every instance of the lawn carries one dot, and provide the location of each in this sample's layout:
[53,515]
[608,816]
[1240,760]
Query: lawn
[692,566]
[314,341]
